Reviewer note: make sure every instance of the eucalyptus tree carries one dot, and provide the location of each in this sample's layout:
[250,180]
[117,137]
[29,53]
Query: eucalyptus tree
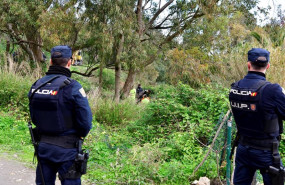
[135,31]
[19,21]
[35,25]
[223,29]
[159,24]
[205,44]
[108,24]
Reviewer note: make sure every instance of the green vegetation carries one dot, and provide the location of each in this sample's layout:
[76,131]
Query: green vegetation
[15,137]
[132,143]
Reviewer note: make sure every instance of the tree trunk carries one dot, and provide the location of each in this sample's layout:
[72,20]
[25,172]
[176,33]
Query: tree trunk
[10,61]
[37,52]
[32,45]
[100,78]
[129,83]
[9,57]
[117,52]
[7,53]
[117,81]
[8,45]
[35,48]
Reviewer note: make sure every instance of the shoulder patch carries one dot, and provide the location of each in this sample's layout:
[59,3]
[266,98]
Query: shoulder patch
[283,90]
[82,92]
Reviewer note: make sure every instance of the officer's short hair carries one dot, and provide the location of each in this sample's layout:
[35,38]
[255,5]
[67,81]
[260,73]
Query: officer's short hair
[59,61]
[259,65]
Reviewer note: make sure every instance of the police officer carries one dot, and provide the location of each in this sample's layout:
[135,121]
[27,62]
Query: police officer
[258,107]
[59,108]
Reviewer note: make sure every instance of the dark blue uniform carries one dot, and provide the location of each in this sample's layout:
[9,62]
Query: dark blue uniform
[59,108]
[61,111]
[259,120]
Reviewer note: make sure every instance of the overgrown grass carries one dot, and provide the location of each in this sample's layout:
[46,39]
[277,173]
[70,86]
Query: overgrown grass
[14,93]
[110,113]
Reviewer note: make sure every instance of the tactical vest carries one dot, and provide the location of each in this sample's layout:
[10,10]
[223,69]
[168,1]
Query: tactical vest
[251,120]
[51,106]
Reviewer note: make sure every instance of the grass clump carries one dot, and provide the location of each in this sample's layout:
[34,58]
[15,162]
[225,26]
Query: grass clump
[110,113]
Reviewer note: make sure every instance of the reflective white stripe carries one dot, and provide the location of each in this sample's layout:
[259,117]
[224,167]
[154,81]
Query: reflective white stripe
[82,92]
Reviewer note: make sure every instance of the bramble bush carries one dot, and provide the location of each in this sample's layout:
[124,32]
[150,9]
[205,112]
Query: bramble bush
[156,144]
[179,122]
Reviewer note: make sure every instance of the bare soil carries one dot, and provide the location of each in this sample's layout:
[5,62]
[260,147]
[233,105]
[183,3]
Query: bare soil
[16,173]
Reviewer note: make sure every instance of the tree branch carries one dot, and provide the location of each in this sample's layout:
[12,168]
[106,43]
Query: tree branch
[159,12]
[146,2]
[143,40]
[166,18]
[139,17]
[152,58]
[89,74]
[161,27]
[88,43]
[16,37]
[167,27]
[29,42]
[181,29]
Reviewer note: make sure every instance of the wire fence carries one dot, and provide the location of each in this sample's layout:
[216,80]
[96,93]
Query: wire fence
[219,148]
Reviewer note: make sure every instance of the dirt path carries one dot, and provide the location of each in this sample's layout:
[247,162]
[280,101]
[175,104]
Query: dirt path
[15,173]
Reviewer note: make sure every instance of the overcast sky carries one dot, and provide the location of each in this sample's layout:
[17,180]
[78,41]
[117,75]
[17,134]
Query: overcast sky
[273,4]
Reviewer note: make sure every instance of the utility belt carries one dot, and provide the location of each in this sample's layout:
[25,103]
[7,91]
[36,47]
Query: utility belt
[69,141]
[260,144]
[79,167]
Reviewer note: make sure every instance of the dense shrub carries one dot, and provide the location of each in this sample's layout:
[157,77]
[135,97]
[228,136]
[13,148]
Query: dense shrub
[181,108]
